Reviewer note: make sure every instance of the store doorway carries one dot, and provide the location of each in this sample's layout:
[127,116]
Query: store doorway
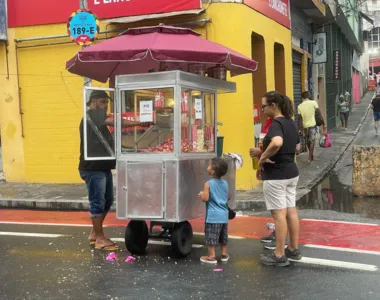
[279,68]
[259,78]
[259,83]
[297,81]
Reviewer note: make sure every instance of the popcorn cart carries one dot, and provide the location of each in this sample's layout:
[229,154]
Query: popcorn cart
[162,168]
[159,77]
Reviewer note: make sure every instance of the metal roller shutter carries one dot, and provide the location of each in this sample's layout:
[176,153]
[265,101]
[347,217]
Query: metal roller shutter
[297,87]
[297,81]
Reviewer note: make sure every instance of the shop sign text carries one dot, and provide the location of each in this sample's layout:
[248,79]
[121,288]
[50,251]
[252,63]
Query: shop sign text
[280,6]
[41,12]
[277,10]
[319,48]
[126,8]
[336,64]
[83,27]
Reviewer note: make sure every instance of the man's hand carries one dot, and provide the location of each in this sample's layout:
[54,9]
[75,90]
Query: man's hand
[200,195]
[264,161]
[255,152]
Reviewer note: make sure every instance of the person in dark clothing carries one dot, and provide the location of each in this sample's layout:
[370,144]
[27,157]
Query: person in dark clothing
[97,173]
[280,175]
[375,105]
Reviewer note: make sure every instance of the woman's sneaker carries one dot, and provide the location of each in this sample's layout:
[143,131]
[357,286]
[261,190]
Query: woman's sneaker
[208,260]
[295,254]
[268,238]
[272,245]
[273,260]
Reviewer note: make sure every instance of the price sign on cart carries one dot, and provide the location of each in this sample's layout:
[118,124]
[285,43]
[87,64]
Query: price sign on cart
[83,27]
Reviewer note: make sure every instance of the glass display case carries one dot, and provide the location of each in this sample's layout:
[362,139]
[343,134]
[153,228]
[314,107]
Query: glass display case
[148,106]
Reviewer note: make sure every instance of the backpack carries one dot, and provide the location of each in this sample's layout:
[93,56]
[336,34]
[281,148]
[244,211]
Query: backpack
[318,118]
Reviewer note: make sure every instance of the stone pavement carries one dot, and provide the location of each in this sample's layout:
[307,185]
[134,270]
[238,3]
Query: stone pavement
[365,137]
[74,196]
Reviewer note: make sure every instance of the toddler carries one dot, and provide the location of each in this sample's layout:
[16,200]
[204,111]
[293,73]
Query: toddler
[215,195]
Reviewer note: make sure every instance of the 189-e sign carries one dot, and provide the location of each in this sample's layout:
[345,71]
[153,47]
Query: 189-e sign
[83,27]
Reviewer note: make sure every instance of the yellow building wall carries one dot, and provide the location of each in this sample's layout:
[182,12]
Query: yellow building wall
[232,26]
[11,133]
[52,105]
[52,97]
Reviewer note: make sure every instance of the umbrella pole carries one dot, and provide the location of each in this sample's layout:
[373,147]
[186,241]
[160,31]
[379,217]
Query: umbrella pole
[84,5]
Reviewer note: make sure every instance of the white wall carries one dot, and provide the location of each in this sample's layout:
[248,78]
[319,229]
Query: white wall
[364,64]
[364,58]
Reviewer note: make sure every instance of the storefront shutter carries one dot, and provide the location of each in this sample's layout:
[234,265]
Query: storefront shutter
[297,81]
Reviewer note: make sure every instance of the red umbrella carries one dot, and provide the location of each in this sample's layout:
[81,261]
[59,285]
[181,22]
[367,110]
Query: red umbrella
[140,50]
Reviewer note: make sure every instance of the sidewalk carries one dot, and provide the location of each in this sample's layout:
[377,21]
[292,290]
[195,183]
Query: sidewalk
[74,196]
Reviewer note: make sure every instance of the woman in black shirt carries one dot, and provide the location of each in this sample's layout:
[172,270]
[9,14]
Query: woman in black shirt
[280,175]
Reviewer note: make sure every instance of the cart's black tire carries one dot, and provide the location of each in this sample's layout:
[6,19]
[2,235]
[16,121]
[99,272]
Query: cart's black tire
[182,238]
[136,237]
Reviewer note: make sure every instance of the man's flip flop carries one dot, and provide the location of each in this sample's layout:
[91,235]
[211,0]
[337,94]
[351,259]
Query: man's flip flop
[108,248]
[92,242]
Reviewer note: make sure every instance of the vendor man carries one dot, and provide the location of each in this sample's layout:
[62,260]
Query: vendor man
[97,173]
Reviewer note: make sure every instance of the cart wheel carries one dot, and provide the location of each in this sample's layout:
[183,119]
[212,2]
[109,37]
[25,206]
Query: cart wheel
[136,237]
[182,238]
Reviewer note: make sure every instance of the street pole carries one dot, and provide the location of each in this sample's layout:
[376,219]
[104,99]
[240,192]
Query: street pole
[84,5]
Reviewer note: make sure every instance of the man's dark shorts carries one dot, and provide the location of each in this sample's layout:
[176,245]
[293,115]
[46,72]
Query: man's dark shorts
[100,191]
[376,116]
[216,234]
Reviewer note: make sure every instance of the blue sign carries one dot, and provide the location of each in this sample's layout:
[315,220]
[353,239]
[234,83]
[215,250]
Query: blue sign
[3,20]
[83,27]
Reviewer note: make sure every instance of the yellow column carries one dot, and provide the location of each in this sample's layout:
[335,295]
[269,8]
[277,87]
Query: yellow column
[304,72]
[11,132]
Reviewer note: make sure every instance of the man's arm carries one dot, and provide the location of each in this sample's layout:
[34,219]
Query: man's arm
[126,123]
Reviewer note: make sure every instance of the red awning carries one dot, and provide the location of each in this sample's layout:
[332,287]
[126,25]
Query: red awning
[140,50]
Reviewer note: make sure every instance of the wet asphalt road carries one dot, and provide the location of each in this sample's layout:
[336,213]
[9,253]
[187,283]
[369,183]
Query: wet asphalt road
[66,268]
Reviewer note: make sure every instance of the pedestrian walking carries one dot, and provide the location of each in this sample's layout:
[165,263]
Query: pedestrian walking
[280,175]
[215,195]
[344,111]
[97,173]
[375,105]
[306,120]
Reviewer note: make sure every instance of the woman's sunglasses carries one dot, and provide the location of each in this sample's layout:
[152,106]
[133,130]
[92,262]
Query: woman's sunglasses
[265,105]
